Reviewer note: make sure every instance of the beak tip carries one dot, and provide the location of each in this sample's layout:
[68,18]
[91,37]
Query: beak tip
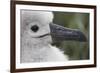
[83,39]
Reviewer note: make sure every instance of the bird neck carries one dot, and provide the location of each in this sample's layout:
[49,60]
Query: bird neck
[33,44]
[32,52]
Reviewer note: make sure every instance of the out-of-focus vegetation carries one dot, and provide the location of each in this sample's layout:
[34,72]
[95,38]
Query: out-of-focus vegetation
[74,49]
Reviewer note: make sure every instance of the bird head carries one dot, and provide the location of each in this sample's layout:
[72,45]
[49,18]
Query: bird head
[38,25]
[35,26]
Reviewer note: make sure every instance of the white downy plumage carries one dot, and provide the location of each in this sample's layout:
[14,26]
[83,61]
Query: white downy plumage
[33,47]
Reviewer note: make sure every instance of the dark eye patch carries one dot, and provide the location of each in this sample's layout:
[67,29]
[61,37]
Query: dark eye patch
[34,28]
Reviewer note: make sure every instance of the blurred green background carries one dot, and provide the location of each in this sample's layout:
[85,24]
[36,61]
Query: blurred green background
[74,49]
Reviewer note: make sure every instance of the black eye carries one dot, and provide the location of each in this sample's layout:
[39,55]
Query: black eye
[35,28]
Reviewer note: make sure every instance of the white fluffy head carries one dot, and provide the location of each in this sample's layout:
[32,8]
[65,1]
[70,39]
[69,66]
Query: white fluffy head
[42,19]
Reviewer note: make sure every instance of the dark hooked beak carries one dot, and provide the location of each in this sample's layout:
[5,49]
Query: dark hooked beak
[61,33]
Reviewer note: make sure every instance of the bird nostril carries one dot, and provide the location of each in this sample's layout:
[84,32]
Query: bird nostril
[35,28]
